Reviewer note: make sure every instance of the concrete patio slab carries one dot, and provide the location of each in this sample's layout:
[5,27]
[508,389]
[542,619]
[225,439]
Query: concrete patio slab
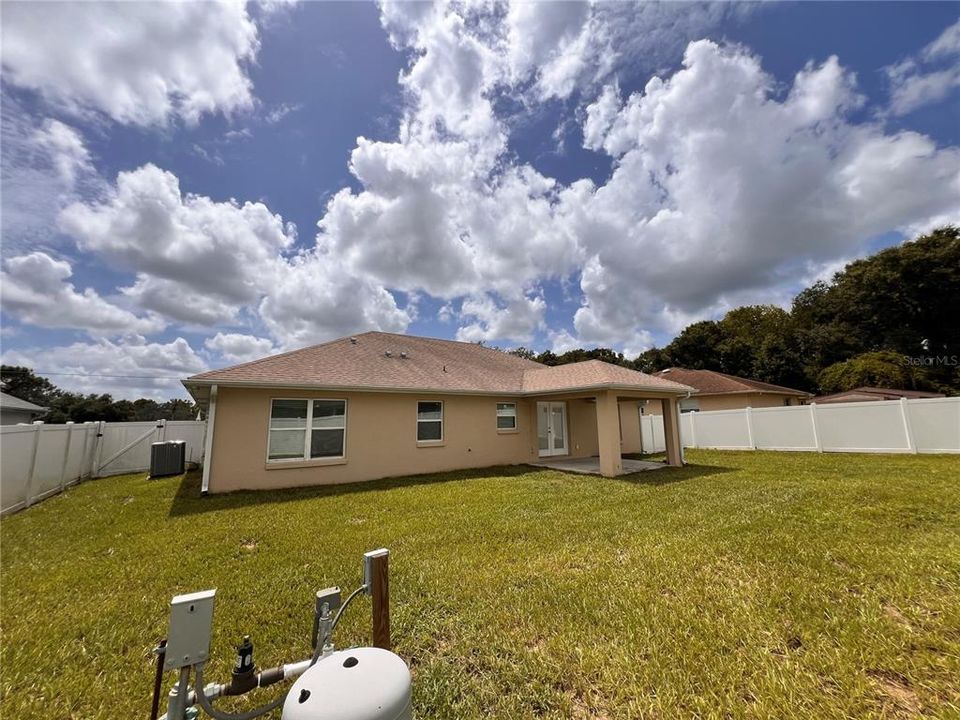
[591,465]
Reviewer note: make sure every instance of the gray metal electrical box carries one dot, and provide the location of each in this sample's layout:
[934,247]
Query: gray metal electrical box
[191,624]
[168,458]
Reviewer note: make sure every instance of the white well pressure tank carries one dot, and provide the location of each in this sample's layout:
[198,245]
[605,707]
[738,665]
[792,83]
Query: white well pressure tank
[358,684]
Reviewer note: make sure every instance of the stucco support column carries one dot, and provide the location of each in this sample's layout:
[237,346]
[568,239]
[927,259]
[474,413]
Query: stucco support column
[608,434]
[671,431]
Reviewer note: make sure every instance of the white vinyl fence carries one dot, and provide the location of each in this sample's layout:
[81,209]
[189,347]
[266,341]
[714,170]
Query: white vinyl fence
[890,426]
[40,460]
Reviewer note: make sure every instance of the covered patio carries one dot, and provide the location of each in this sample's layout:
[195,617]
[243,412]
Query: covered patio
[580,426]
[591,465]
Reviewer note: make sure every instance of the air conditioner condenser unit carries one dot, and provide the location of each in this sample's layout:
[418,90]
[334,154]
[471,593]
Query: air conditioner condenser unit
[168,458]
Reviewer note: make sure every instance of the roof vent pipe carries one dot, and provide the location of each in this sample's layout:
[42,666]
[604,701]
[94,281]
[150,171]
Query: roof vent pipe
[403,355]
[353,341]
[388,353]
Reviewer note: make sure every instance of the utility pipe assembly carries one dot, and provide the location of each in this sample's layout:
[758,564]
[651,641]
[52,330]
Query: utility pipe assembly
[367,683]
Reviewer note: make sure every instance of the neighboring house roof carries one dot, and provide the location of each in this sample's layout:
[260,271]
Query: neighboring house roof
[9,402]
[425,364]
[874,393]
[710,382]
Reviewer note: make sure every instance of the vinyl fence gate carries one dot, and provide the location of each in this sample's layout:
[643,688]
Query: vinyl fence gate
[40,460]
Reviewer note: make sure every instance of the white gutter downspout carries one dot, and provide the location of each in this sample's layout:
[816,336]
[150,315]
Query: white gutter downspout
[208,440]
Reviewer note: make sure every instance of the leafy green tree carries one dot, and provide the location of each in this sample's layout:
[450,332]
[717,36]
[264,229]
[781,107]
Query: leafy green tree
[523,352]
[23,383]
[883,368]
[697,347]
[652,360]
[903,299]
[66,406]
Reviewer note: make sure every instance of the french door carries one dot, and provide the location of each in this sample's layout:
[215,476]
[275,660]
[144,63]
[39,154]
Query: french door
[552,428]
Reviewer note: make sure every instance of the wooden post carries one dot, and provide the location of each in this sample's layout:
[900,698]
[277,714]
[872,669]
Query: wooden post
[378,577]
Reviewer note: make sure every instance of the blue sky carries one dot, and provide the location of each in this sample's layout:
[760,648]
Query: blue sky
[223,181]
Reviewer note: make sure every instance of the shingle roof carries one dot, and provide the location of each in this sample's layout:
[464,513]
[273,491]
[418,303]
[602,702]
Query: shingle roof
[14,403]
[592,373]
[427,364]
[875,393]
[710,382]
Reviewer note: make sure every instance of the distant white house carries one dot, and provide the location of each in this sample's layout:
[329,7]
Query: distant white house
[13,410]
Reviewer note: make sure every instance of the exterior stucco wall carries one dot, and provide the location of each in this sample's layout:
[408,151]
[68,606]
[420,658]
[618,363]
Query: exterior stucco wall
[380,438]
[630,426]
[582,416]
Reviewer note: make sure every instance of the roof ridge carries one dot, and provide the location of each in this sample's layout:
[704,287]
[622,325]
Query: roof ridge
[522,363]
[455,342]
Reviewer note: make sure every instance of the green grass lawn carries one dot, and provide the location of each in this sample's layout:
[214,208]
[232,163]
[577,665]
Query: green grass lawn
[743,585]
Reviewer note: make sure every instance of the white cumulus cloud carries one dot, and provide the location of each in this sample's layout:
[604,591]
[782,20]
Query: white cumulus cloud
[35,290]
[130,368]
[210,257]
[720,187]
[239,348]
[137,62]
[927,77]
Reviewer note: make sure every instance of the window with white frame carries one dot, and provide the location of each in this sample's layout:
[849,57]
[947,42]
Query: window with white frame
[302,429]
[506,416]
[429,421]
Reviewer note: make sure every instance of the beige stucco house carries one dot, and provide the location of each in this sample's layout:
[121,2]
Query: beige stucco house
[380,405]
[719,391]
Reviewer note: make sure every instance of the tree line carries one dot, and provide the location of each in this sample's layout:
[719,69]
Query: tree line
[65,406]
[888,320]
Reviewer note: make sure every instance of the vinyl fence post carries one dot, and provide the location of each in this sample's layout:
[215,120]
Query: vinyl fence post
[693,428]
[98,450]
[753,445]
[907,427]
[816,428]
[66,457]
[88,447]
[37,429]
[161,430]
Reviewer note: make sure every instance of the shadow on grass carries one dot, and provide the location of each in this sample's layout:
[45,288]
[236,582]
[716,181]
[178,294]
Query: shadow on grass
[189,501]
[670,475]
